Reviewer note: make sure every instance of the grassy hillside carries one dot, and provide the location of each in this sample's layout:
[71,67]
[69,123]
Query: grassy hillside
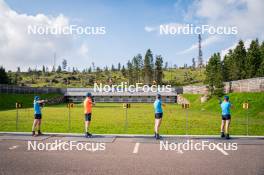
[175,77]
[239,115]
[256,101]
[185,76]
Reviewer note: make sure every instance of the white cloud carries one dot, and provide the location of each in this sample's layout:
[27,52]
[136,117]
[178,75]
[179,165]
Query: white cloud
[150,29]
[246,15]
[18,48]
[157,28]
[210,40]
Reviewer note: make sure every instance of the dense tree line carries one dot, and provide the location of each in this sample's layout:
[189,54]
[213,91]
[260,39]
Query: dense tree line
[239,63]
[4,79]
[147,70]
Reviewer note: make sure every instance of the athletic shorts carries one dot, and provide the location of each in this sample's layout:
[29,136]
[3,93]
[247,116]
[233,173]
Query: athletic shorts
[38,116]
[226,117]
[158,115]
[88,117]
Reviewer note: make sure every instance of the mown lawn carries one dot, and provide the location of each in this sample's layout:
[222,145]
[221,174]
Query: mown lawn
[110,117]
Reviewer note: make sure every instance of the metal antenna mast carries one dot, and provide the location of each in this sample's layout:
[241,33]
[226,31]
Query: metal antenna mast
[54,61]
[200,54]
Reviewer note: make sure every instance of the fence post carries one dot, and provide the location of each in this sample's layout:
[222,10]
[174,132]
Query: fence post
[186,129]
[69,124]
[246,107]
[16,119]
[186,106]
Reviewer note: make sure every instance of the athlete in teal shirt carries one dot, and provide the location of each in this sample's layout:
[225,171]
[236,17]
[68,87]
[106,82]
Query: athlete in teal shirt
[225,105]
[37,114]
[158,106]
[37,108]
[158,115]
[226,117]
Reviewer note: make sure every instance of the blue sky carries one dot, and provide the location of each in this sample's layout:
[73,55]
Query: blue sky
[126,33]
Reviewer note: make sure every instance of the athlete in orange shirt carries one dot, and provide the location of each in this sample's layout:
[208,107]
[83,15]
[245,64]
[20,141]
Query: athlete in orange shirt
[87,104]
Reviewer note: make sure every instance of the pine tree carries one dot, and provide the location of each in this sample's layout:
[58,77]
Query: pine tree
[233,66]
[239,59]
[113,68]
[4,79]
[253,59]
[90,69]
[64,64]
[43,69]
[18,70]
[148,67]
[53,69]
[260,71]
[106,69]
[214,75]
[158,69]
[166,65]
[123,71]
[137,63]
[226,68]
[130,73]
[58,69]
[193,63]
[119,66]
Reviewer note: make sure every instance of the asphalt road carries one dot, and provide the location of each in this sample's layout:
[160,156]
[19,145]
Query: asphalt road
[139,155]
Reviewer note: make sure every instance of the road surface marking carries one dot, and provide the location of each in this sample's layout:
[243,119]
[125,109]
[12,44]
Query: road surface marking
[13,147]
[135,151]
[180,152]
[222,151]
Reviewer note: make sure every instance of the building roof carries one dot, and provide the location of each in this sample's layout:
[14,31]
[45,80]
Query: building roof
[83,91]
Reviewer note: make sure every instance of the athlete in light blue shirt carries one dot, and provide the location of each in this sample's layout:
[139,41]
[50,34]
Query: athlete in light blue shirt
[158,106]
[37,108]
[226,117]
[158,115]
[37,114]
[225,105]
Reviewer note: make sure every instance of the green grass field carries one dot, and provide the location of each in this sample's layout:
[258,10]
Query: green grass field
[110,117]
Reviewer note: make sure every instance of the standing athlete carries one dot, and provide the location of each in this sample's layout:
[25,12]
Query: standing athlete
[87,104]
[37,114]
[226,117]
[158,115]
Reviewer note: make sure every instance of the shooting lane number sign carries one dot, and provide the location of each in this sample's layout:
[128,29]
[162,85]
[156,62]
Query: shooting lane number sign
[18,105]
[185,105]
[126,105]
[245,105]
[70,105]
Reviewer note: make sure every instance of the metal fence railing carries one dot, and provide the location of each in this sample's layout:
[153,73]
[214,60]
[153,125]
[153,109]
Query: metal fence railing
[12,89]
